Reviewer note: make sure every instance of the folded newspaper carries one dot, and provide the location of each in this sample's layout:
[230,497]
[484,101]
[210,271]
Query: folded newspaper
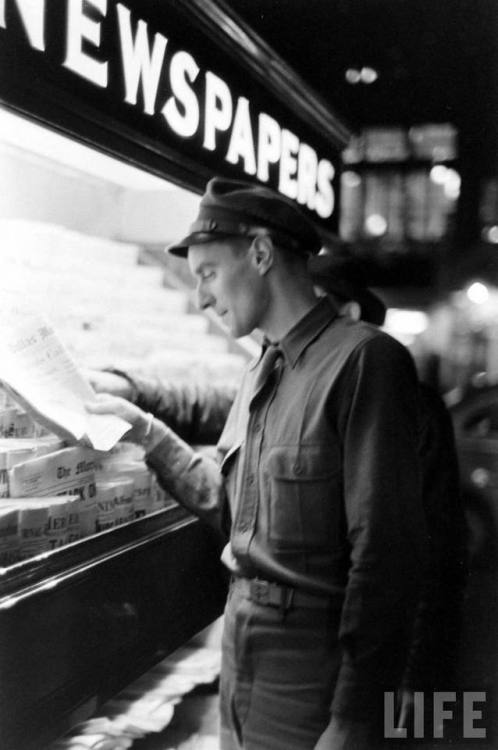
[41,376]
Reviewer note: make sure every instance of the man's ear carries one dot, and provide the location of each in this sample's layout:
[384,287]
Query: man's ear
[351,309]
[262,253]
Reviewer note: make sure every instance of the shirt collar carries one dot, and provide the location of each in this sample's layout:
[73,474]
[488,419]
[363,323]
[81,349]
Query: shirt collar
[304,332]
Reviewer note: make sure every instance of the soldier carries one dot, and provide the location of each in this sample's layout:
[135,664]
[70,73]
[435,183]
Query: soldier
[317,487]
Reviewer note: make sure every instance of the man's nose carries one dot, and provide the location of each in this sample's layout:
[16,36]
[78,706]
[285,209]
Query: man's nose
[204,299]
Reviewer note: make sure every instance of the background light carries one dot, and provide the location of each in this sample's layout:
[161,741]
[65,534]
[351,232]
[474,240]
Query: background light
[406,321]
[438,174]
[405,325]
[365,75]
[376,225]
[490,234]
[449,180]
[452,184]
[352,75]
[478,293]
[368,75]
[351,179]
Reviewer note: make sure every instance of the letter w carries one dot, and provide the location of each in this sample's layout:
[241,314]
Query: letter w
[138,62]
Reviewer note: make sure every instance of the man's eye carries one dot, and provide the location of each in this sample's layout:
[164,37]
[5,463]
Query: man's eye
[207,275]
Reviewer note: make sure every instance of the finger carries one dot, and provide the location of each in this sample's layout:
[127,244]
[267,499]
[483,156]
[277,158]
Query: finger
[100,407]
[109,398]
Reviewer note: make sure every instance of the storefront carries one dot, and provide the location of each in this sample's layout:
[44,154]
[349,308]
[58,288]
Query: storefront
[179,92]
[184,92]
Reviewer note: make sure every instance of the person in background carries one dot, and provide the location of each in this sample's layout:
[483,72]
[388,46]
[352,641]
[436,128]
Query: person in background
[433,654]
[318,487]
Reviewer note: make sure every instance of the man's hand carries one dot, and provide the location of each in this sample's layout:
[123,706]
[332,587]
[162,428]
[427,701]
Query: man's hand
[109,382]
[106,403]
[345,734]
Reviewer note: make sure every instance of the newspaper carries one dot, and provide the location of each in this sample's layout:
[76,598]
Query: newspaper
[41,376]
[70,471]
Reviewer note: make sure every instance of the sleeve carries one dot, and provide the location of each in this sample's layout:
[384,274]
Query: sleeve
[194,479]
[196,412]
[379,424]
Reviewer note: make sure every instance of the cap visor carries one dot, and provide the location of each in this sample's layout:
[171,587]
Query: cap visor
[180,249]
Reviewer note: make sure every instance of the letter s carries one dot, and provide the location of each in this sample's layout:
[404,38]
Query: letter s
[183,68]
[325,198]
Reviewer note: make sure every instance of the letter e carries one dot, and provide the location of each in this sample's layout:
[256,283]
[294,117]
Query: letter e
[469,730]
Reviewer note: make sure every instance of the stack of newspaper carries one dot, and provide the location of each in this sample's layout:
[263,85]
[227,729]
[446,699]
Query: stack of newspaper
[109,310]
[51,447]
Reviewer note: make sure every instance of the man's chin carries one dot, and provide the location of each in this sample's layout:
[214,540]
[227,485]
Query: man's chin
[237,332]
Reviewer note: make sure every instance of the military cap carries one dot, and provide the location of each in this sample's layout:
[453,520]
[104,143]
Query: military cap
[345,278]
[236,208]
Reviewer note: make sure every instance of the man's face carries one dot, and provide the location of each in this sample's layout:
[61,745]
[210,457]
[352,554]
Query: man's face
[228,282]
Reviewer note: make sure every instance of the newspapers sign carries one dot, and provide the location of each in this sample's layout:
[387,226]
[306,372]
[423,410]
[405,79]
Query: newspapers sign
[151,72]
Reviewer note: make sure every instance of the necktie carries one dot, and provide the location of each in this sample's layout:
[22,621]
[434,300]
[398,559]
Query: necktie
[267,367]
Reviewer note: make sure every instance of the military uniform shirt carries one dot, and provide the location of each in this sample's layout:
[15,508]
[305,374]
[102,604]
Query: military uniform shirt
[319,485]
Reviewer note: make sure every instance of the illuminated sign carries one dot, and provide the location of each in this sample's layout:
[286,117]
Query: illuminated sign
[147,68]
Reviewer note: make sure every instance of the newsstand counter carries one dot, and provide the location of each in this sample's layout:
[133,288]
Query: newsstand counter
[81,622]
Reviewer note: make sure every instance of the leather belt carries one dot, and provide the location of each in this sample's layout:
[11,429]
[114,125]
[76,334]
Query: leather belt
[270,594]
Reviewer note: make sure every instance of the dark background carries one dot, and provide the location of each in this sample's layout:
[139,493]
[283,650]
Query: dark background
[437,62]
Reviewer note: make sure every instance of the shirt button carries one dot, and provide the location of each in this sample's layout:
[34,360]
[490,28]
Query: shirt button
[250,480]
[298,469]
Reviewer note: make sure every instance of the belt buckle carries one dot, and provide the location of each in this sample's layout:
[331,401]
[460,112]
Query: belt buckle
[286,599]
[260,591]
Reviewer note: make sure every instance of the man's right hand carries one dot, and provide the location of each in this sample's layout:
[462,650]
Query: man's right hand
[109,382]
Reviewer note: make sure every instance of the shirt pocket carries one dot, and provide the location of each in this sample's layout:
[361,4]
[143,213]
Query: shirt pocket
[304,497]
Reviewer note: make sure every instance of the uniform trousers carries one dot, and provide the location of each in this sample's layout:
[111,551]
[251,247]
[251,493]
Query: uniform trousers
[279,670]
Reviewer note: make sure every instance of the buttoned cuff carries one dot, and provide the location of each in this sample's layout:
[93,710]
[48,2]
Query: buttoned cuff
[194,480]
[155,435]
